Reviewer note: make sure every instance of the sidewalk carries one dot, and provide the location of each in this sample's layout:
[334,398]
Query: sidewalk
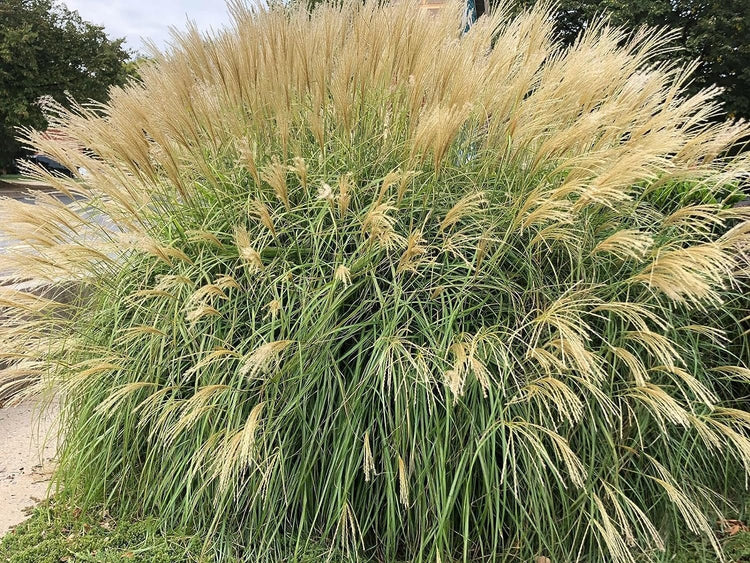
[27,444]
[25,466]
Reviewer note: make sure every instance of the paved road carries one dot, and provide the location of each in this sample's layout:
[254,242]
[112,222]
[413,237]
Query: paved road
[20,192]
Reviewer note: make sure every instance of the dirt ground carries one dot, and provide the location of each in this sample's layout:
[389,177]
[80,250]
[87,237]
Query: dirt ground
[27,449]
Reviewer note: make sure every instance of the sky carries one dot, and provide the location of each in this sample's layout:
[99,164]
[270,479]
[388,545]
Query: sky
[134,19]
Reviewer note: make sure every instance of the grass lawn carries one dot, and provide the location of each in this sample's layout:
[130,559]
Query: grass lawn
[56,534]
[17,179]
[14,180]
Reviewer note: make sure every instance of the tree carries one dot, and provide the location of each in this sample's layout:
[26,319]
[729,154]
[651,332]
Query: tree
[47,49]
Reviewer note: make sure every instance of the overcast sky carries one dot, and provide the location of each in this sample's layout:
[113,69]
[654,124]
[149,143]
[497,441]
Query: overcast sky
[151,19]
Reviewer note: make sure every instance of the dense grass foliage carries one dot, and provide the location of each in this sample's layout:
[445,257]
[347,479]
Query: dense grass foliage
[353,277]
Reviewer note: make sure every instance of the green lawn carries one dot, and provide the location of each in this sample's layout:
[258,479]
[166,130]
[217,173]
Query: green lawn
[16,179]
[56,534]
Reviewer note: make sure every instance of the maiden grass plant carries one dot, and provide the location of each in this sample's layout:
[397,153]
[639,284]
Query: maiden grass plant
[351,277]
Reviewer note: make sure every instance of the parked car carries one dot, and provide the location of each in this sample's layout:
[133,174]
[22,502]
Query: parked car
[50,164]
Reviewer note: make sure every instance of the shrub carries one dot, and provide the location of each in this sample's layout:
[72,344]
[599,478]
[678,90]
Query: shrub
[354,277]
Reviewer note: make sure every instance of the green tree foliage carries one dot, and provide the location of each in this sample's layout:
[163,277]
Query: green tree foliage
[716,32]
[133,66]
[46,49]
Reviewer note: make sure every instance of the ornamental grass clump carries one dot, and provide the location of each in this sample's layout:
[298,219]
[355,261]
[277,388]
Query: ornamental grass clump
[352,278]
